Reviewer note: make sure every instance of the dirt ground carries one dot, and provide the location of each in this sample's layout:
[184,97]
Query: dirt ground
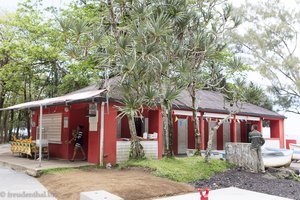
[130,184]
[264,183]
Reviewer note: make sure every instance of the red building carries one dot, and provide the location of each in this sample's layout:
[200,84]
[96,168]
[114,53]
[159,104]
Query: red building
[106,136]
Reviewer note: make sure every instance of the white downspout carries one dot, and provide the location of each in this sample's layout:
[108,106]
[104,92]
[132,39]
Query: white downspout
[41,128]
[101,133]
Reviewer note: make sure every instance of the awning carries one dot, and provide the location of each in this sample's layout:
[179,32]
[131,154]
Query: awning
[68,98]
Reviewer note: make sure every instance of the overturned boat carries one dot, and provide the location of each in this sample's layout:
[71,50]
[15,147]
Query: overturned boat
[296,151]
[275,157]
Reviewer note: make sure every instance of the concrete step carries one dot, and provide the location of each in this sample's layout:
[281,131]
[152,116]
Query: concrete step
[230,193]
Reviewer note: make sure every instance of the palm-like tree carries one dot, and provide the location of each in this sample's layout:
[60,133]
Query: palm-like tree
[204,43]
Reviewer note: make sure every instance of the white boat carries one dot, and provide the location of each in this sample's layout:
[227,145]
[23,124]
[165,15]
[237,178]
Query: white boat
[218,154]
[296,151]
[274,157]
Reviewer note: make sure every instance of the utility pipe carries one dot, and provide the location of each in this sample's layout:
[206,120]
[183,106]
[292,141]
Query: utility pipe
[41,128]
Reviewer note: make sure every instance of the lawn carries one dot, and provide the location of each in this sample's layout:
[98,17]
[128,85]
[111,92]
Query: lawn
[181,169]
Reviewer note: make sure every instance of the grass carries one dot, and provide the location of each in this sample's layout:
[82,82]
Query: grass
[185,169]
[69,169]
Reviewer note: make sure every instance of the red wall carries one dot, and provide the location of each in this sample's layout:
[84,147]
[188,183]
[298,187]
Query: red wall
[288,142]
[205,133]
[202,132]
[155,125]
[175,137]
[110,134]
[55,150]
[191,133]
[233,135]
[277,130]
[76,114]
[125,131]
[220,138]
[243,127]
[94,142]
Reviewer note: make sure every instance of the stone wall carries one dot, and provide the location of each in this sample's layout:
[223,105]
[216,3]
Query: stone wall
[241,155]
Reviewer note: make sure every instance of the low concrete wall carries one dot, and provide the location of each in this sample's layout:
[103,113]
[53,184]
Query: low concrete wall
[123,147]
[241,155]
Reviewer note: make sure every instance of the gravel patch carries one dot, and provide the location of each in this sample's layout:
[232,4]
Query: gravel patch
[265,183]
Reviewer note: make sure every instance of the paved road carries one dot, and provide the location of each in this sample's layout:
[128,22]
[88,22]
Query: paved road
[17,185]
[4,148]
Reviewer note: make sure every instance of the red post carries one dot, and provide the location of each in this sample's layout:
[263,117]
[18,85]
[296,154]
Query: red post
[233,129]
[281,132]
[202,132]
[160,133]
[260,125]
[203,193]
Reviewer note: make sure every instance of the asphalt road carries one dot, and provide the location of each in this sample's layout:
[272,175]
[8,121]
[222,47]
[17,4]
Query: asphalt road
[17,185]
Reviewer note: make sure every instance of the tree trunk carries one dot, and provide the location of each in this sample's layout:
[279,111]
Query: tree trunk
[18,125]
[212,132]
[136,149]
[170,152]
[2,98]
[11,124]
[5,127]
[195,120]
[112,16]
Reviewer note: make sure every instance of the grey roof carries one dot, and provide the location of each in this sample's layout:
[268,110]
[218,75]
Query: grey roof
[210,101]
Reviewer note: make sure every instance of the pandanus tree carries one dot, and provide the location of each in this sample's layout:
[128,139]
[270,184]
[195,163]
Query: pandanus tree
[146,55]
[151,44]
[204,44]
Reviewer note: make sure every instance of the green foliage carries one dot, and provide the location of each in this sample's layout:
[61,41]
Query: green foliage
[181,169]
[270,42]
[248,92]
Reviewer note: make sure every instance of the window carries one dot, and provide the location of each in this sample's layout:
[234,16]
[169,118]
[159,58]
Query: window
[141,125]
[52,124]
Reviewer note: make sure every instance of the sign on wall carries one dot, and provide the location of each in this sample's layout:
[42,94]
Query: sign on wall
[66,122]
[93,117]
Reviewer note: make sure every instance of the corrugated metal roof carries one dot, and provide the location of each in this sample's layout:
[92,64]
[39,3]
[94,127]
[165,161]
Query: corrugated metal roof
[75,96]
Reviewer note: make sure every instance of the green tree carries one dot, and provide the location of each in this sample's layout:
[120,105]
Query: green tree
[33,64]
[270,42]
[204,50]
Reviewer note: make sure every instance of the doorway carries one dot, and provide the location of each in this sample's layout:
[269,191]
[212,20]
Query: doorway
[248,131]
[182,136]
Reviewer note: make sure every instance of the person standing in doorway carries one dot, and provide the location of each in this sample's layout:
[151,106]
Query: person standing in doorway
[257,141]
[78,138]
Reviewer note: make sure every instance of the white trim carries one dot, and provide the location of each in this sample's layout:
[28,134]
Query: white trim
[215,115]
[248,118]
[222,116]
[54,142]
[185,113]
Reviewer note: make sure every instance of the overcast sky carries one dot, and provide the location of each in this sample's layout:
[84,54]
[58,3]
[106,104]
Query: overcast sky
[292,130]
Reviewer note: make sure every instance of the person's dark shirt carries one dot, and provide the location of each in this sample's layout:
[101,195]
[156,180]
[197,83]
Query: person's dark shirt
[255,139]
[79,137]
